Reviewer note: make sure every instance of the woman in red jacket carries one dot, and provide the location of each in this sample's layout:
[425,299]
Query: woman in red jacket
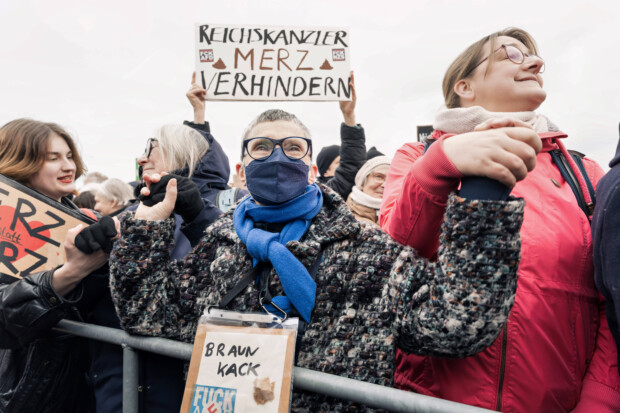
[556,352]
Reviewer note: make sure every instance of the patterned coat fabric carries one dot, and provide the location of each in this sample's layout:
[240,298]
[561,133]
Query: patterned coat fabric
[372,293]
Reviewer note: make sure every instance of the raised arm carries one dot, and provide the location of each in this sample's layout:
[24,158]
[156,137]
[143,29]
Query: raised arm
[415,196]
[418,184]
[213,169]
[457,306]
[352,147]
[146,284]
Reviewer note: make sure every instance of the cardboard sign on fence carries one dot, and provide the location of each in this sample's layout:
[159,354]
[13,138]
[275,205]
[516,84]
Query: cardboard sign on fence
[273,63]
[32,230]
[240,370]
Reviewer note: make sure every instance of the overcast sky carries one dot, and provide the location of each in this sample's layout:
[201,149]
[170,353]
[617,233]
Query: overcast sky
[112,72]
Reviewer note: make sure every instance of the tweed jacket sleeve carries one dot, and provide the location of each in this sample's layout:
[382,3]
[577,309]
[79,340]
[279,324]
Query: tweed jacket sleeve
[145,283]
[457,306]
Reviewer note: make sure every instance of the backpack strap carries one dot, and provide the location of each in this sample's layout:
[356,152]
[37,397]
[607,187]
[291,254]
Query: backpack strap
[569,176]
[578,158]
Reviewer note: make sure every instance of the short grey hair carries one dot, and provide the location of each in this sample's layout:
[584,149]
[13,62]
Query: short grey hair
[94,178]
[181,146]
[116,190]
[273,115]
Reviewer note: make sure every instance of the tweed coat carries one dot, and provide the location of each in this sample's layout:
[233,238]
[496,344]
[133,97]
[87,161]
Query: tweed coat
[372,293]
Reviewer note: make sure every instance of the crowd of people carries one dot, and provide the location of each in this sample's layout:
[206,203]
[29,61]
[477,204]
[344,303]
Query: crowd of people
[464,267]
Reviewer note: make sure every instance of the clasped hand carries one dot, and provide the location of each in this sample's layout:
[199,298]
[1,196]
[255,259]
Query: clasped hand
[501,149]
[168,193]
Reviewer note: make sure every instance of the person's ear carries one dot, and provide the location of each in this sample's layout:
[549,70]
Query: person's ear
[312,173]
[464,89]
[241,172]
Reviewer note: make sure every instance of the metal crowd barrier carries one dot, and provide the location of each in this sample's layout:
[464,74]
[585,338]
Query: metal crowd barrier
[372,395]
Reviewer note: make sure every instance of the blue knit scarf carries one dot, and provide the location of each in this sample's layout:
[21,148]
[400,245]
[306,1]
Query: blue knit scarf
[298,285]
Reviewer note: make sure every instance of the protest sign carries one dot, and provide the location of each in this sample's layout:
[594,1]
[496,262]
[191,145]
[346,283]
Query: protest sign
[240,369]
[424,131]
[273,63]
[32,230]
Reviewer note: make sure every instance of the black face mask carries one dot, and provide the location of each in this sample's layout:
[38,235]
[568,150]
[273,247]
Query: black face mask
[277,179]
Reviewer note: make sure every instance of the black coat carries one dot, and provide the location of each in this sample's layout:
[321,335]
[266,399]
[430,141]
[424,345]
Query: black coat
[43,370]
[352,158]
[606,244]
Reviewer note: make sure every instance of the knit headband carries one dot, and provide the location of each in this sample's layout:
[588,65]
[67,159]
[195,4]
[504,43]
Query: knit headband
[368,167]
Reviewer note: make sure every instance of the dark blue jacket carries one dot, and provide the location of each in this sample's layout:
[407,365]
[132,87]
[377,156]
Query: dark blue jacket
[606,244]
[161,379]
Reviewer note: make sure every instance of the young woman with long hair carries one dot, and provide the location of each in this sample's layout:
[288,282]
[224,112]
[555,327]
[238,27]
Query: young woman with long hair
[43,370]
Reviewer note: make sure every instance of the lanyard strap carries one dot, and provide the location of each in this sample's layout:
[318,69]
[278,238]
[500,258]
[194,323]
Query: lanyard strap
[263,270]
[241,285]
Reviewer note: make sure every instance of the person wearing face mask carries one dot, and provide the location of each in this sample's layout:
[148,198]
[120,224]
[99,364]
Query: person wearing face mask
[42,370]
[556,353]
[365,198]
[355,290]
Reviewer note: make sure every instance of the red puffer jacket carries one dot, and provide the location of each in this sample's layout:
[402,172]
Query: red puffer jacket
[556,352]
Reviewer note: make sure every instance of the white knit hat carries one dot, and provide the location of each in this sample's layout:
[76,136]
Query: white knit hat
[368,167]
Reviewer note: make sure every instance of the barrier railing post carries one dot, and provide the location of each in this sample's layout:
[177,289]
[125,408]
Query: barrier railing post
[130,380]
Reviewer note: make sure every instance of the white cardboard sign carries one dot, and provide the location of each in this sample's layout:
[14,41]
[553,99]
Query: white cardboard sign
[275,63]
[240,370]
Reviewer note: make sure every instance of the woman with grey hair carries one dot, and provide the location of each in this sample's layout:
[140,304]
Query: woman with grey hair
[113,196]
[200,166]
[197,161]
[180,149]
[190,154]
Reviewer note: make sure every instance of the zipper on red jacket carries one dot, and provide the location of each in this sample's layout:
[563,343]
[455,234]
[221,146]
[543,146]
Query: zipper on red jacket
[502,368]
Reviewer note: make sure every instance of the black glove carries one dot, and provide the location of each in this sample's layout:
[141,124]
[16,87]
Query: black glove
[483,188]
[97,236]
[189,202]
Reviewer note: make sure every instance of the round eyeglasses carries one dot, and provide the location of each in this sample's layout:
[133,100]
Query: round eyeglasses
[149,147]
[514,54]
[294,147]
[376,176]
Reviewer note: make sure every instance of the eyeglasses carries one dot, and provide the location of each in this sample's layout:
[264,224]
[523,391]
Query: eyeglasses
[514,54]
[293,147]
[149,147]
[377,177]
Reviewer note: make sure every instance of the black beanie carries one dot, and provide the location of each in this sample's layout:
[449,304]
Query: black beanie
[326,157]
[372,152]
